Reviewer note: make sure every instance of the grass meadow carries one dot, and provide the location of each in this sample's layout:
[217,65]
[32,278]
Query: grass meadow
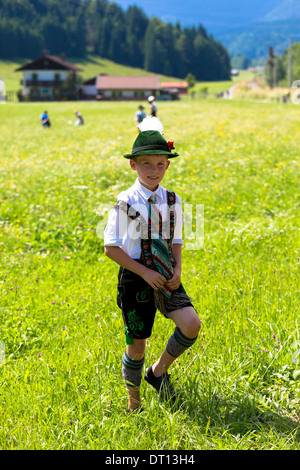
[61,331]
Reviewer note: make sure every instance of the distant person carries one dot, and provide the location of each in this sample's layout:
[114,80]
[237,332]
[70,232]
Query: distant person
[140,114]
[153,106]
[79,121]
[2,90]
[45,119]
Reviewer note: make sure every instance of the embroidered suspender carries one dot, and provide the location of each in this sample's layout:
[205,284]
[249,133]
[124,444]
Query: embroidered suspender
[146,256]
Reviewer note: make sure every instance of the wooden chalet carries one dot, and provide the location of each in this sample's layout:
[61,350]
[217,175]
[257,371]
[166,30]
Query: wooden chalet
[44,77]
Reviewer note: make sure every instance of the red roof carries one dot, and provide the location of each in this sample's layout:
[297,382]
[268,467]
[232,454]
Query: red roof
[110,82]
[174,84]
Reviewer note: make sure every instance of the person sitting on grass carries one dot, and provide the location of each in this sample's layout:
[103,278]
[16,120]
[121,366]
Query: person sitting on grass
[79,121]
[44,118]
[144,237]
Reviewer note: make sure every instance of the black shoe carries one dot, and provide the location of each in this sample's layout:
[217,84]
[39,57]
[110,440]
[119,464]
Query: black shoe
[139,409]
[162,384]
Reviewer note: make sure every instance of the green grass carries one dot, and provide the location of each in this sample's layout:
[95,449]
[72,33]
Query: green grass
[60,383]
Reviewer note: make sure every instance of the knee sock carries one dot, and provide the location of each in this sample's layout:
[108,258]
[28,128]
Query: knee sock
[132,370]
[178,343]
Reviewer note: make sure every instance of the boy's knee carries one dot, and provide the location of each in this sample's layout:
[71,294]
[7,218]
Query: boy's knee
[196,324]
[193,326]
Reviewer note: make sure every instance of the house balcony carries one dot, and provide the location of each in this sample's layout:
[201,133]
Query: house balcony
[42,83]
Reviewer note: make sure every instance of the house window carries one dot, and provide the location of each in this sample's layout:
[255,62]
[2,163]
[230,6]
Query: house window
[34,94]
[56,77]
[34,76]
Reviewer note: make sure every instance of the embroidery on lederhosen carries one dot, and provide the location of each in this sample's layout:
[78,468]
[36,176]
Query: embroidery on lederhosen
[135,323]
[156,253]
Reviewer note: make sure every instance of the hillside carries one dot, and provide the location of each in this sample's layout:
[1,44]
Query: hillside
[287,9]
[253,41]
[245,28]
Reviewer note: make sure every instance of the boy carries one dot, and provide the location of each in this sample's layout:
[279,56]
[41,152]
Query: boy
[153,106]
[79,121]
[45,119]
[140,115]
[150,265]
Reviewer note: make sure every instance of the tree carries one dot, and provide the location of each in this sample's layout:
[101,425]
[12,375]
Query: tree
[55,35]
[185,49]
[94,13]
[191,80]
[136,24]
[283,65]
[111,41]
[68,88]
[117,48]
[159,49]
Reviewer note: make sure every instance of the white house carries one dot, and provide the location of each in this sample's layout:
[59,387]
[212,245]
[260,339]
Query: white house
[43,78]
[89,90]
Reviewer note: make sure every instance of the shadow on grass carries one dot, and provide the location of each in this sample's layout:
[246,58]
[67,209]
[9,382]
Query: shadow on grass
[237,414]
[91,60]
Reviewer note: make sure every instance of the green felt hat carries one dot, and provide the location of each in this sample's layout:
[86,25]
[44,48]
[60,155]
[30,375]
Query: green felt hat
[151,143]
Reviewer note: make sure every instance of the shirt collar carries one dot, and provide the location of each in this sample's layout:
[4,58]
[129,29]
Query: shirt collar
[146,193]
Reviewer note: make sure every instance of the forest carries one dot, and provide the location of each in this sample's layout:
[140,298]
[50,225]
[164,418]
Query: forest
[129,37]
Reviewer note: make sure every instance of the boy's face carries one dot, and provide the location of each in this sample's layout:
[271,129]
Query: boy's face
[150,169]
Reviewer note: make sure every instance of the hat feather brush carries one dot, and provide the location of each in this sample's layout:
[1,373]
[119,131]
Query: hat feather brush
[151,123]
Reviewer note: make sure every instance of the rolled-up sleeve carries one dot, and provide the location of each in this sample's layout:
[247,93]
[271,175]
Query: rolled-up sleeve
[112,236]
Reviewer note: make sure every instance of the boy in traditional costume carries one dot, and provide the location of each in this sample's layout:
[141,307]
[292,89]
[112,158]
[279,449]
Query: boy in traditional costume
[144,236]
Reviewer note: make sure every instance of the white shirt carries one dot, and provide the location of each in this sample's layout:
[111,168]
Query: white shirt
[123,232]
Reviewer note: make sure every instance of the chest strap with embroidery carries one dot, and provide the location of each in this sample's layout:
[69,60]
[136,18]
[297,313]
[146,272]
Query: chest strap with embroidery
[132,214]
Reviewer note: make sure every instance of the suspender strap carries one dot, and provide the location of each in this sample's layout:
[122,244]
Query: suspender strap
[130,211]
[133,214]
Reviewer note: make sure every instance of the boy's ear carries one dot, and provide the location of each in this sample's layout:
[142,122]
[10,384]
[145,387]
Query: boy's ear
[132,164]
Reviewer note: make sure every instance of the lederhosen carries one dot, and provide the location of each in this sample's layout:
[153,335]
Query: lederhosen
[135,296]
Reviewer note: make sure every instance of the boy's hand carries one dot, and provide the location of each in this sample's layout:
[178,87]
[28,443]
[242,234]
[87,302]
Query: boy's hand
[155,279]
[174,282]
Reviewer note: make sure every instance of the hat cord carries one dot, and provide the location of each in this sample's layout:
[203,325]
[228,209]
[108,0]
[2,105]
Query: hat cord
[151,147]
